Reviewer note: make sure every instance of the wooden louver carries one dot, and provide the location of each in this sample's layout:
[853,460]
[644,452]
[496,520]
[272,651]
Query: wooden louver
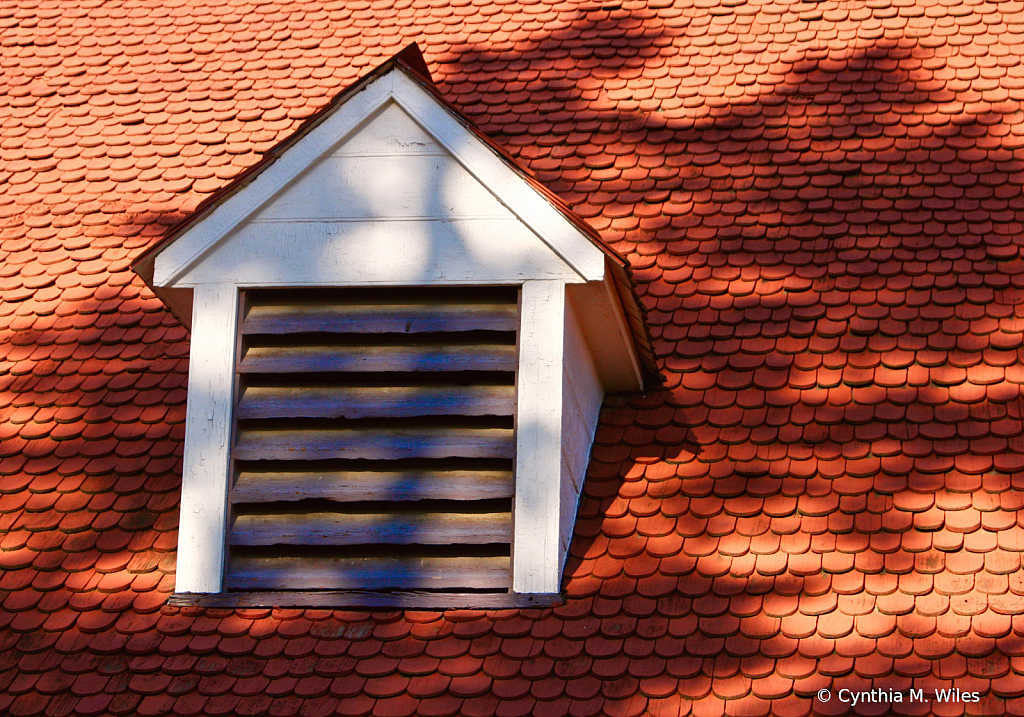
[373,440]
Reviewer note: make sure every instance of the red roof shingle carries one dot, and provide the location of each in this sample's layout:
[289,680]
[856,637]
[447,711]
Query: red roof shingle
[822,205]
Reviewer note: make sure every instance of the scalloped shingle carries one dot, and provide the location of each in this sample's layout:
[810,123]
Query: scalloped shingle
[823,206]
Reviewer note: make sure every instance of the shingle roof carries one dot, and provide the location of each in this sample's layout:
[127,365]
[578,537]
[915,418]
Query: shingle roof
[822,205]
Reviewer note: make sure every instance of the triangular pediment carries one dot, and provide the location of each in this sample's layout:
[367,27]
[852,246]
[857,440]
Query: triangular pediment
[390,187]
[391,169]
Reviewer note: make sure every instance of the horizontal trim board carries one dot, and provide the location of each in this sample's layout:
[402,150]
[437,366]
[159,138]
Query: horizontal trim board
[397,573]
[374,444]
[406,528]
[399,318]
[374,401]
[377,251]
[480,293]
[364,598]
[365,218]
[352,486]
[310,359]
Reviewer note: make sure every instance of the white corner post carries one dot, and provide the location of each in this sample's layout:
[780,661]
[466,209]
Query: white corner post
[204,484]
[535,556]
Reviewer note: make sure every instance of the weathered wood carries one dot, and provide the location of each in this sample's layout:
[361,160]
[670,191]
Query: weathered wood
[374,401]
[254,565]
[384,318]
[302,359]
[362,598]
[399,573]
[346,486]
[373,444]
[405,528]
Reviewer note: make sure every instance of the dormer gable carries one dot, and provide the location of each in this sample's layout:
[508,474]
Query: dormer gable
[388,205]
[365,258]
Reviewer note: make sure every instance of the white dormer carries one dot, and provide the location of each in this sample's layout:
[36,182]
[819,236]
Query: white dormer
[400,347]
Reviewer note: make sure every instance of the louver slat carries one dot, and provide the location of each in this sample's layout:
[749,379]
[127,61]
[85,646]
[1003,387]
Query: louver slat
[380,319]
[391,573]
[378,485]
[375,401]
[372,528]
[373,444]
[374,441]
[302,359]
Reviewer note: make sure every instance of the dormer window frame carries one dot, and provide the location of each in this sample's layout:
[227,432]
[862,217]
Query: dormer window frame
[202,549]
[576,305]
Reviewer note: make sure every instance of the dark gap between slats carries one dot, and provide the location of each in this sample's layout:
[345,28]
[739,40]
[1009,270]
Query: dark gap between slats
[448,423]
[358,466]
[379,379]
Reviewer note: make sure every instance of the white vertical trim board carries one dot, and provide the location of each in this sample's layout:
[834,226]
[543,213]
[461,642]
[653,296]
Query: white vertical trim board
[582,396]
[204,485]
[535,549]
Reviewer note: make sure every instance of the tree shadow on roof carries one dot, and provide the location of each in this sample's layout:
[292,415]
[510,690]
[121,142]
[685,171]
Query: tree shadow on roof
[829,269]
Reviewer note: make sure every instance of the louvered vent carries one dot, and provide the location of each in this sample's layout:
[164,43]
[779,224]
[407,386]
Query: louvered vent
[373,440]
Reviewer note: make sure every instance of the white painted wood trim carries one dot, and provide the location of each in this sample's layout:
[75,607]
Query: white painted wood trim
[535,549]
[635,380]
[582,396]
[190,247]
[603,321]
[379,253]
[204,485]
[532,208]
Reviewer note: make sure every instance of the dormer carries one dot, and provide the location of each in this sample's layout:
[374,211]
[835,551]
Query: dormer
[400,344]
